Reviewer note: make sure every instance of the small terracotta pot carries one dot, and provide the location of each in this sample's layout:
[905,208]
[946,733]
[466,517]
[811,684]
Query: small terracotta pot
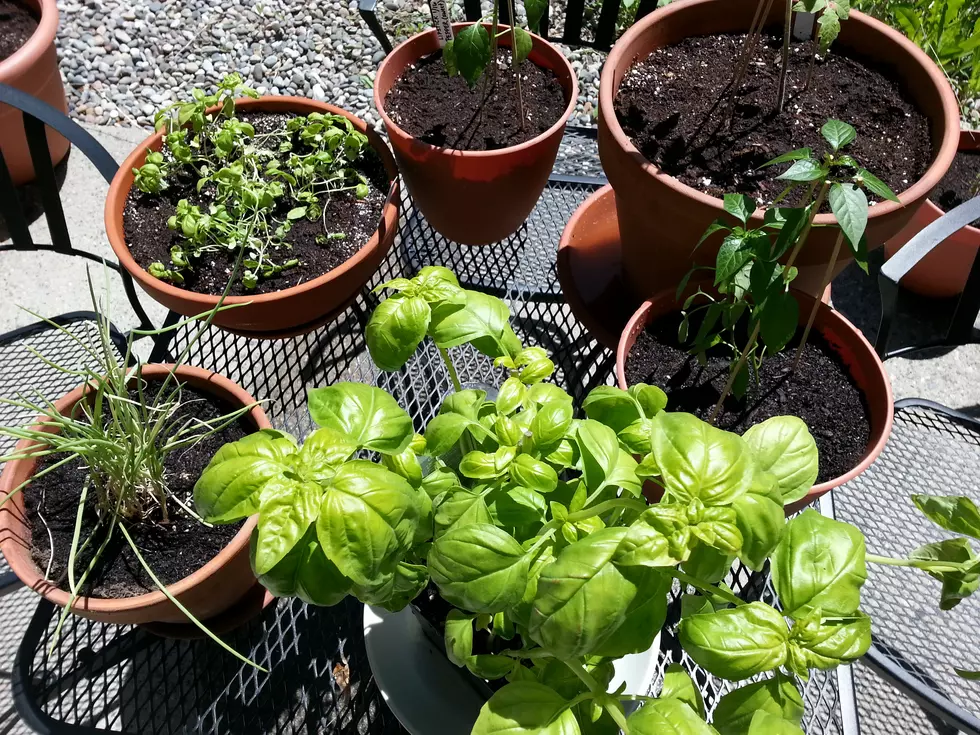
[292,310]
[209,591]
[474,197]
[943,272]
[661,219]
[844,338]
[33,68]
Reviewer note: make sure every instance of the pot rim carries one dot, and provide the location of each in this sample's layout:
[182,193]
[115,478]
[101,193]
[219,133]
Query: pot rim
[969,141]
[119,190]
[872,451]
[31,575]
[919,190]
[419,38]
[40,41]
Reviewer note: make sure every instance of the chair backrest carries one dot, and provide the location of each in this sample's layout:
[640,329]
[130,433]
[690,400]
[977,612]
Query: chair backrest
[37,117]
[572,32]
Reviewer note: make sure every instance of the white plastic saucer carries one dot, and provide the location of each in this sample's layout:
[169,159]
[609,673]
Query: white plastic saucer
[425,690]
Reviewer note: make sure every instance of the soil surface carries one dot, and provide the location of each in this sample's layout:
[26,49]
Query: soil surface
[957,185]
[666,105]
[145,226]
[173,550]
[17,25]
[444,111]
[821,392]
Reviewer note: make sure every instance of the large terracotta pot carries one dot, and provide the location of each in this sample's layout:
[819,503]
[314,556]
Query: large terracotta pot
[209,591]
[33,69]
[843,337]
[474,197]
[661,219]
[280,313]
[943,272]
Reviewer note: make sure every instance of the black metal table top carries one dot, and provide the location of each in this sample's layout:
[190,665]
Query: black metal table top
[101,678]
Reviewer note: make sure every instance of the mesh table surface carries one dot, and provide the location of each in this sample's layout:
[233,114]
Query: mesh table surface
[104,678]
[929,452]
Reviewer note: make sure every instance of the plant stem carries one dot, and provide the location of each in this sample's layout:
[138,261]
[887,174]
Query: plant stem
[599,693]
[517,67]
[444,354]
[751,42]
[816,301]
[784,69]
[933,566]
[733,374]
[707,588]
[493,44]
[809,224]
[604,506]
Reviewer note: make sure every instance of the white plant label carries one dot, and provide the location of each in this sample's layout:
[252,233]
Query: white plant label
[440,20]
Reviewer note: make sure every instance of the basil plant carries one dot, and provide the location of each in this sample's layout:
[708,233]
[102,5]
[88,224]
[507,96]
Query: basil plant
[531,520]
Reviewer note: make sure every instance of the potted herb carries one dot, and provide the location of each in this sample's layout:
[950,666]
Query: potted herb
[29,62]
[475,121]
[295,201]
[943,272]
[690,108]
[96,497]
[741,346]
[530,526]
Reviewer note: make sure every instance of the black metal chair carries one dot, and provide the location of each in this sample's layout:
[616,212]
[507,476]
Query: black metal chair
[934,450]
[21,372]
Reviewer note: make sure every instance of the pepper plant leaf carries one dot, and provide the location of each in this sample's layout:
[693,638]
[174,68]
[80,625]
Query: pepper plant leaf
[535,10]
[522,48]
[739,206]
[838,134]
[850,206]
[779,320]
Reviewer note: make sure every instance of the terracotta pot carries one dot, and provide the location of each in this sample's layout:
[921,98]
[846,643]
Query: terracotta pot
[291,310]
[661,219]
[844,338]
[474,197]
[209,591]
[943,272]
[33,68]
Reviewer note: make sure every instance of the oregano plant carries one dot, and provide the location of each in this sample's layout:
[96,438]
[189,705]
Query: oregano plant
[529,518]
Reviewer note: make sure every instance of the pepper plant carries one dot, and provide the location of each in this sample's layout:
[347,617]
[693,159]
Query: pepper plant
[252,186]
[531,521]
[748,277]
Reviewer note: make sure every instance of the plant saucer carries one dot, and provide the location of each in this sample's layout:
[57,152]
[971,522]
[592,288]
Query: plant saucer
[590,269]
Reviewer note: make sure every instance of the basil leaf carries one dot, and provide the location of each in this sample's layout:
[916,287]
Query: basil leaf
[461,508]
[954,513]
[465,402]
[519,506]
[698,461]
[396,329]
[287,510]
[551,423]
[777,696]
[459,637]
[531,473]
[366,415]
[760,519]
[764,723]
[368,519]
[645,615]
[667,717]
[486,466]
[736,643]
[323,452]
[485,320]
[408,582]
[230,487]
[679,685]
[510,395]
[612,407]
[600,452]
[525,708]
[636,437]
[651,399]
[439,481]
[582,598]
[708,564]
[783,446]
[305,572]
[819,564]
[957,585]
[830,643]
[443,432]
[490,666]
[479,567]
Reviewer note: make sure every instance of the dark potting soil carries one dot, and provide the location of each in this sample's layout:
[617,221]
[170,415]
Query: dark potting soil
[17,25]
[444,111]
[149,239]
[821,391]
[666,107]
[173,550]
[959,182]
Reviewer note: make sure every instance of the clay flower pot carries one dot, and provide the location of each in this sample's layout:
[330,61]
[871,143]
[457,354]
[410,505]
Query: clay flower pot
[280,313]
[661,219]
[474,197]
[33,68]
[844,338]
[209,591]
[943,272]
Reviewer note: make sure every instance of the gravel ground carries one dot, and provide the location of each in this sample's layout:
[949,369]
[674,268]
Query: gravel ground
[124,59]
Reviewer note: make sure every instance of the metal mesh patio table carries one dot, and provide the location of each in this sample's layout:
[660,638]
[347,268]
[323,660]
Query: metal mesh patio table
[99,678]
